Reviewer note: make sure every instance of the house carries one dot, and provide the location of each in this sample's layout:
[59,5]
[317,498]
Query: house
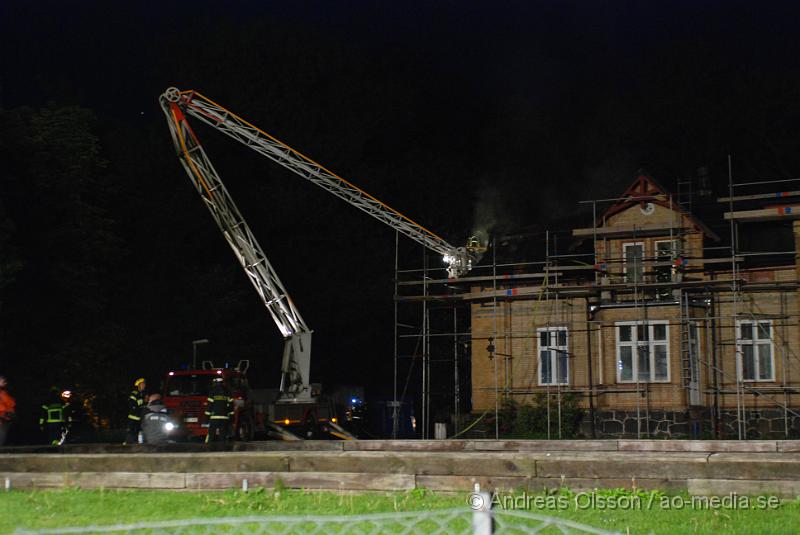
[662,329]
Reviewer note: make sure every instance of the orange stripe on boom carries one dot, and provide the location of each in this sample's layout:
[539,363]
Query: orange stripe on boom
[186,150]
[194,93]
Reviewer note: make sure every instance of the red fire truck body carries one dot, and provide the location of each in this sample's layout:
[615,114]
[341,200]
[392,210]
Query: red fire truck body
[186,396]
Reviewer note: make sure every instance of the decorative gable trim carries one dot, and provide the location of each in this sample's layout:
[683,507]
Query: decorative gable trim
[645,189]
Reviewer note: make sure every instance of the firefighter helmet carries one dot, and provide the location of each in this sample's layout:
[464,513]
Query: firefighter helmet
[138,381]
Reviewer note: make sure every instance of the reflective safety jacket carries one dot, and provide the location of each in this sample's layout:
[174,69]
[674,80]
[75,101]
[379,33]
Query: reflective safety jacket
[7,405]
[53,413]
[219,405]
[135,405]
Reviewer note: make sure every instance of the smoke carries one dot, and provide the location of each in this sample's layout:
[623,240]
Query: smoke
[491,213]
[610,176]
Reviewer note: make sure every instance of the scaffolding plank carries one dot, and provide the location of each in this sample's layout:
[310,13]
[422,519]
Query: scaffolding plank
[757,196]
[510,276]
[716,260]
[723,285]
[551,269]
[639,230]
[789,211]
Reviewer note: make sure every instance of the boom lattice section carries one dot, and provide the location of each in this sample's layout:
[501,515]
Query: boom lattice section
[296,357]
[458,259]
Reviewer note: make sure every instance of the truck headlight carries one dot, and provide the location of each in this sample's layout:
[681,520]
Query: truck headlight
[169,426]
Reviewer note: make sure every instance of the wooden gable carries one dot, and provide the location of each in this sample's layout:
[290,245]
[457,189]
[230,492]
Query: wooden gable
[646,190]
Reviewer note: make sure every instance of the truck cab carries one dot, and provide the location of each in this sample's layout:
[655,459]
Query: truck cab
[186,396]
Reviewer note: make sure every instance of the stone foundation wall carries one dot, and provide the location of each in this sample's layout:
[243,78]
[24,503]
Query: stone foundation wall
[761,423]
[693,424]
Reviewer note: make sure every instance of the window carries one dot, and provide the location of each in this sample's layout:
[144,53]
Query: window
[553,356]
[634,257]
[754,356]
[665,250]
[643,352]
[189,385]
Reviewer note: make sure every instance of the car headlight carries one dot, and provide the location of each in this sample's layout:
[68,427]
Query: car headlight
[169,426]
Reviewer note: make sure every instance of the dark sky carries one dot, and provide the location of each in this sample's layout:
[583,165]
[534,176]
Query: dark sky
[512,110]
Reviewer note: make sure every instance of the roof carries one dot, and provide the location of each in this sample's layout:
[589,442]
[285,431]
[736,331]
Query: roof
[645,189]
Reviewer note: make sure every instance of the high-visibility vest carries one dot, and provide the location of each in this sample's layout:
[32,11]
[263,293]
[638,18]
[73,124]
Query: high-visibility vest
[52,414]
[219,407]
[135,403]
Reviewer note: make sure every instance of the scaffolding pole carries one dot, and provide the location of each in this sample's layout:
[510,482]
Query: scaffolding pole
[714,302]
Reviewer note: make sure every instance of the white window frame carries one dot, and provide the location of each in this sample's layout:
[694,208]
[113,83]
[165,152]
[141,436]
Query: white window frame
[672,249]
[675,247]
[555,352]
[674,252]
[755,342]
[625,246]
[649,345]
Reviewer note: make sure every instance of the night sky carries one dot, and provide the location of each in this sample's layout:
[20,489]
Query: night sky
[459,114]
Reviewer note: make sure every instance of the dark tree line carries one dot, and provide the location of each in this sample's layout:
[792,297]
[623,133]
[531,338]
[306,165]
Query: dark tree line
[61,252]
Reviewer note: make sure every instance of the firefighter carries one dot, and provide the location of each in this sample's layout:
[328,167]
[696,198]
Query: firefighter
[218,411]
[7,410]
[135,409]
[53,417]
[69,413]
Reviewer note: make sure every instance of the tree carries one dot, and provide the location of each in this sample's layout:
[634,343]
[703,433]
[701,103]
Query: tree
[59,248]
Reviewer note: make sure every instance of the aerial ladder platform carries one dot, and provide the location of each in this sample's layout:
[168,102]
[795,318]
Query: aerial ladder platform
[178,106]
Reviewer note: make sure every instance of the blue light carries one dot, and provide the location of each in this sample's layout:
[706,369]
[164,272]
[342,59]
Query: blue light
[354,400]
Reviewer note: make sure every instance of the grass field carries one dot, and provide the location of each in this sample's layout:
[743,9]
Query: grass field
[41,509]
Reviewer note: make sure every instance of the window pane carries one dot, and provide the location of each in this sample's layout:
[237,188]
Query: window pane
[625,363]
[563,373]
[659,331]
[633,262]
[748,371]
[747,331]
[663,273]
[624,333]
[544,338]
[764,330]
[644,364]
[642,333]
[661,362]
[664,249]
[545,372]
[764,361]
[562,337]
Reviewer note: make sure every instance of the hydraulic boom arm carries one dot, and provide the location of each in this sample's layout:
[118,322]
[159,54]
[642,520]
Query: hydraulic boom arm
[458,259]
[177,105]
[296,362]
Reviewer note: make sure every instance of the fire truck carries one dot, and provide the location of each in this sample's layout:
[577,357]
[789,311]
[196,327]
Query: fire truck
[186,396]
[296,403]
[255,410]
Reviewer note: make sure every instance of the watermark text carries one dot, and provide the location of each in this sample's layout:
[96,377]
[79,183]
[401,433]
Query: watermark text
[605,501]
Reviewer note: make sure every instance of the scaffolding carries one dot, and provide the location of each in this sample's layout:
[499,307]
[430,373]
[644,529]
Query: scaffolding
[445,327]
[742,389]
